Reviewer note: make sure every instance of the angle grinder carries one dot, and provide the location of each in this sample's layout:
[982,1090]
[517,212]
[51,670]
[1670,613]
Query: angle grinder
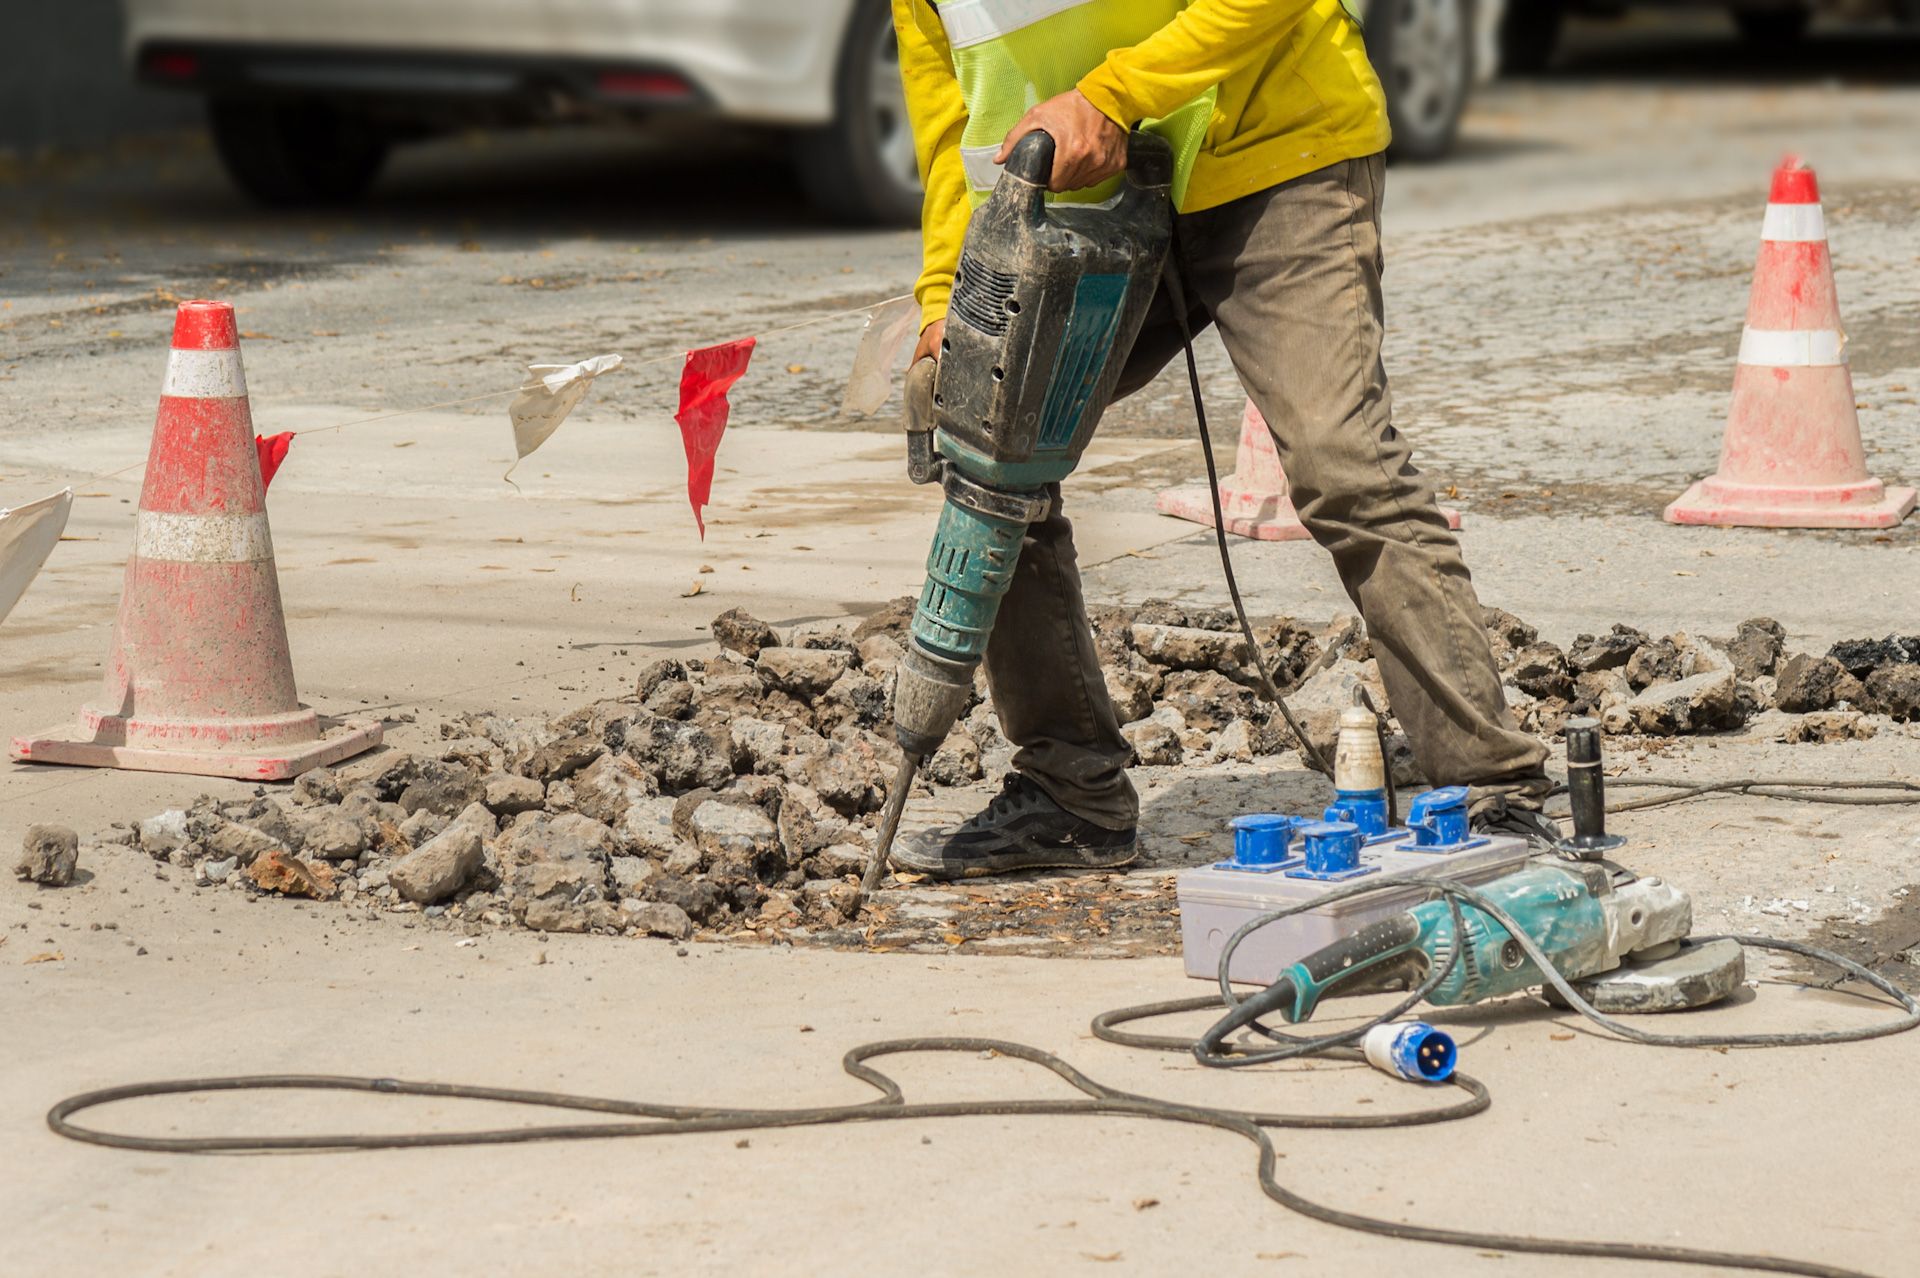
[1047,301]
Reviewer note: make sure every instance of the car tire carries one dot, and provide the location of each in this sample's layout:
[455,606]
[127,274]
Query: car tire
[1530,35]
[861,168]
[1772,28]
[297,153]
[1422,51]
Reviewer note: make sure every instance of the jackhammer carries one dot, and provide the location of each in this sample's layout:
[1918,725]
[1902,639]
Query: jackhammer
[1047,301]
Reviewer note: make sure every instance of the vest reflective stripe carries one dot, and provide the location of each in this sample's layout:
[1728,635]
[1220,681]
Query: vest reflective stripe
[1010,54]
[971,22]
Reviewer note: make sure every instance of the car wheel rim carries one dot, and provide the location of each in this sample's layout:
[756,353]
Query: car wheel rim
[1429,71]
[887,111]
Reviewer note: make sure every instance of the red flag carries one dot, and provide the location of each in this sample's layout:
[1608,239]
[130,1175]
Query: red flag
[273,451]
[709,373]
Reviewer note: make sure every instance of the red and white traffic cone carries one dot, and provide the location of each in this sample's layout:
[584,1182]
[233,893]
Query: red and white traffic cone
[200,679]
[1255,498]
[1791,454]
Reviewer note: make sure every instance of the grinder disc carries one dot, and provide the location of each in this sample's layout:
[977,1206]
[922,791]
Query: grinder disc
[1693,976]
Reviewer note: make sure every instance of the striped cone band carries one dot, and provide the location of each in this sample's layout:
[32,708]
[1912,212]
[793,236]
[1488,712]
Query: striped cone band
[1794,224]
[196,374]
[1792,347]
[202,539]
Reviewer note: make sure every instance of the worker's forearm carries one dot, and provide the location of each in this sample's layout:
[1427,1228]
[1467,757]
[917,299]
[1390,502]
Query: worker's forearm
[938,114]
[1204,44]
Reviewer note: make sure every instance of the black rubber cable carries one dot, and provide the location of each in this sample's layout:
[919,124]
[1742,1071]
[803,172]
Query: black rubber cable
[1797,790]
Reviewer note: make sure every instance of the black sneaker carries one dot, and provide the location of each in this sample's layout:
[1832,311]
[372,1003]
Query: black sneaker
[1502,817]
[1021,829]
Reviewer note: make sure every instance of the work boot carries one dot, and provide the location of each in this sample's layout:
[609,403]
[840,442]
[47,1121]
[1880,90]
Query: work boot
[1021,829]
[1502,816]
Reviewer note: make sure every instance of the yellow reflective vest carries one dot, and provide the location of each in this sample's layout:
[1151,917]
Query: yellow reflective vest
[1251,92]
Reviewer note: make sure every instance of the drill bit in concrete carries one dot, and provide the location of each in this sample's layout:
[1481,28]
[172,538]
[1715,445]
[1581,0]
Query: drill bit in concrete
[889,826]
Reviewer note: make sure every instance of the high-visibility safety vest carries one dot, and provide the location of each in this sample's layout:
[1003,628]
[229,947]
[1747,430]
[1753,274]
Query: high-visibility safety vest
[1010,55]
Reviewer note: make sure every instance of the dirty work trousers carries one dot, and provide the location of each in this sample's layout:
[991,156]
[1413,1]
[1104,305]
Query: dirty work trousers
[1291,276]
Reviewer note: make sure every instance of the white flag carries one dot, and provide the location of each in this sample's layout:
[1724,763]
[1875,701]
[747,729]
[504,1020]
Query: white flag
[27,536]
[549,395]
[889,325]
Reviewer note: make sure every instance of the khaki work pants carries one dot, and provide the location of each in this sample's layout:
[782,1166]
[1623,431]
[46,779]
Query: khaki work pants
[1291,275]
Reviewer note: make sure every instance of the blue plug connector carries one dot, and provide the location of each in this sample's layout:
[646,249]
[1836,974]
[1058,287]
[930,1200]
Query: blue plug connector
[1413,1050]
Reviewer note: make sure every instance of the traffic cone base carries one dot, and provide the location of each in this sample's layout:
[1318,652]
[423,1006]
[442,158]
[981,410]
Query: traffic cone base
[1255,499]
[1791,455]
[91,746]
[199,678]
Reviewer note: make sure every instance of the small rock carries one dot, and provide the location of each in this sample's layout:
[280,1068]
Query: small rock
[757,744]
[662,918]
[1807,682]
[699,898]
[1701,703]
[1540,670]
[536,837]
[333,838]
[550,896]
[1190,648]
[802,672]
[672,701]
[739,631]
[728,830]
[558,760]
[48,855]
[683,756]
[1654,662]
[629,874]
[1862,657]
[656,673]
[1610,651]
[1155,745]
[509,795]
[440,867]
[891,620]
[441,787]
[613,784]
[956,762]
[1822,727]
[282,872]
[856,699]
[388,771]
[1756,647]
[1235,742]
[163,833]
[218,871]
[1597,691]
[806,824]
[647,829]
[880,656]
[242,843]
[316,786]
[1895,691]
[1508,629]
[1132,691]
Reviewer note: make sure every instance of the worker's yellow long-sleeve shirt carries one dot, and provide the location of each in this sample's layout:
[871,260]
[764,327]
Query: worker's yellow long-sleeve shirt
[1295,93]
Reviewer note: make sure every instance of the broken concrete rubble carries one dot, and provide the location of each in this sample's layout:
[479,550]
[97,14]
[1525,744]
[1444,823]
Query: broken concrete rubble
[736,793]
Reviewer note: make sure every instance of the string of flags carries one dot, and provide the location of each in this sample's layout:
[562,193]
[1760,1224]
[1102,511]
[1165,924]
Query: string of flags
[707,373]
[541,404]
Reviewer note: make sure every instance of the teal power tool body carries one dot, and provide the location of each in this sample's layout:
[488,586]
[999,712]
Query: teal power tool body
[1047,301]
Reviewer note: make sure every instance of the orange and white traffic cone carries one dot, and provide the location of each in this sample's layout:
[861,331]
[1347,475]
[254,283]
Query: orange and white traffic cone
[1255,498]
[1791,454]
[200,679]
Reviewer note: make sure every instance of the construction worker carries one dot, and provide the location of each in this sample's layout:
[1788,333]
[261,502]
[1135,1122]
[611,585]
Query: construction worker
[1278,126]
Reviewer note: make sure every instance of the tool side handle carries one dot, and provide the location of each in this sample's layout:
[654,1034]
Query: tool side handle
[1379,956]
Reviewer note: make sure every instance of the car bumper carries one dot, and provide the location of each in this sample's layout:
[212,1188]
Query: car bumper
[747,59]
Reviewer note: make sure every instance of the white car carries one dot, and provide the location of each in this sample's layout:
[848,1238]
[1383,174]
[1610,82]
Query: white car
[306,98]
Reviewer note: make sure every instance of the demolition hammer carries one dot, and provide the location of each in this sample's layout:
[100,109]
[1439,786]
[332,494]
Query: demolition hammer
[1047,301]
